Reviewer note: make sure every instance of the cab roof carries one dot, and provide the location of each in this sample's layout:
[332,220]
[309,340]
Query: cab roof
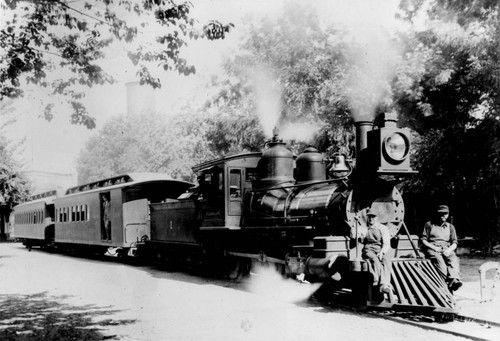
[209,164]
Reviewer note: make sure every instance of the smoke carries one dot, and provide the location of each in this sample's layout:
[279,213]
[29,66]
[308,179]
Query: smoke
[373,55]
[300,131]
[266,281]
[267,96]
[373,58]
[267,92]
[373,66]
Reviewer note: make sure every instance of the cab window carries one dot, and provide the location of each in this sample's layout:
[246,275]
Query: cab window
[235,183]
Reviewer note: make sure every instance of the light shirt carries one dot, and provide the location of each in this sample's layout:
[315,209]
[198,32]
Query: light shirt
[442,233]
[378,235]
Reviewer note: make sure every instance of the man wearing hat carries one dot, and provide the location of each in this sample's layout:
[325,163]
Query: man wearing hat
[376,245]
[439,241]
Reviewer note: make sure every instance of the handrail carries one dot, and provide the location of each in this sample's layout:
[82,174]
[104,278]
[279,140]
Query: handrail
[411,241]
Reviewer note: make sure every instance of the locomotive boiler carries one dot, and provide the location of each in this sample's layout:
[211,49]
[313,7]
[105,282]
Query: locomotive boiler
[303,215]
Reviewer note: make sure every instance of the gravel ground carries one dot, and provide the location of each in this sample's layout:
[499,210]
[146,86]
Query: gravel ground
[46,296]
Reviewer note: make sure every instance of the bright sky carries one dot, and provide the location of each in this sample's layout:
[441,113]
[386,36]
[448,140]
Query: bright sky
[55,146]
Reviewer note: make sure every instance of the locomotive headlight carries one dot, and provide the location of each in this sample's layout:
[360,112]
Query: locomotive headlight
[388,151]
[396,147]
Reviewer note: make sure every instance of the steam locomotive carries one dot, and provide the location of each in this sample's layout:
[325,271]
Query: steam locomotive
[300,214]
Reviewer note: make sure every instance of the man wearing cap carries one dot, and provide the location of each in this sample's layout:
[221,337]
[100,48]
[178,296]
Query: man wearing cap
[439,241]
[376,245]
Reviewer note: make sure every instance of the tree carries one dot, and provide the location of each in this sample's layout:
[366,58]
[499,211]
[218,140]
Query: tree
[40,37]
[453,103]
[445,88]
[14,187]
[290,70]
[234,133]
[145,143]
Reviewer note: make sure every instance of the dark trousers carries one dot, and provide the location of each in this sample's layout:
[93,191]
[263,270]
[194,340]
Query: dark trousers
[107,230]
[381,270]
[447,266]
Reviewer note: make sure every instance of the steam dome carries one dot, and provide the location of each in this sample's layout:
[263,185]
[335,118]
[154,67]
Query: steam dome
[310,166]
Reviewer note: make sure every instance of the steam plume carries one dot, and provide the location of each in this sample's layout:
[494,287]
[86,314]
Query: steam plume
[268,98]
[373,67]
[267,282]
[268,103]
[300,131]
[373,55]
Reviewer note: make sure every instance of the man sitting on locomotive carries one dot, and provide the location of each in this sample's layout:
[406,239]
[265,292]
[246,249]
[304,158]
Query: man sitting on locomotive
[376,245]
[439,241]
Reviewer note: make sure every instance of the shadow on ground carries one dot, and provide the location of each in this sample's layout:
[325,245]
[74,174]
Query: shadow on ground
[42,317]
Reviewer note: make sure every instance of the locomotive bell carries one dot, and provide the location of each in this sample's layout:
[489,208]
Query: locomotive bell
[339,164]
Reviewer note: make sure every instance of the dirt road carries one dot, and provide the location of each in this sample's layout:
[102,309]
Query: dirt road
[44,296]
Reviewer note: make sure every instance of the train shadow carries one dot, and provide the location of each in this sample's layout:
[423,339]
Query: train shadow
[263,281]
[43,317]
[268,283]
[184,272]
[4,257]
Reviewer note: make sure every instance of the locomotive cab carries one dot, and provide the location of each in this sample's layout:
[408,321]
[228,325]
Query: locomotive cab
[222,187]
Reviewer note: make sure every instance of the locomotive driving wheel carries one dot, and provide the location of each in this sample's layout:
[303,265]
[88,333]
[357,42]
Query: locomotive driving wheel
[237,268]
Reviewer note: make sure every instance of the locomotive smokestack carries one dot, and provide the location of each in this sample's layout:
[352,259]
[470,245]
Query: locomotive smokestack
[390,120]
[362,129]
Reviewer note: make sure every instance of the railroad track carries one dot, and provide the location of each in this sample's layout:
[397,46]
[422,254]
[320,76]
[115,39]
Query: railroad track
[458,325]
[455,324]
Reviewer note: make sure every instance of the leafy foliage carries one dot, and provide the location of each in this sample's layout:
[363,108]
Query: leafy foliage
[453,103]
[309,66]
[58,44]
[145,143]
[234,134]
[446,88]
[14,188]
